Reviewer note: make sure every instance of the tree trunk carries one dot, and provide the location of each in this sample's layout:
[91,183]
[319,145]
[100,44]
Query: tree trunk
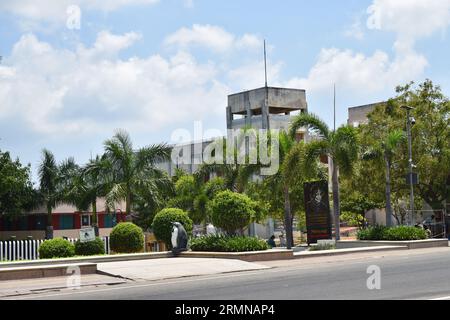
[388,192]
[287,218]
[336,201]
[128,205]
[49,229]
[95,217]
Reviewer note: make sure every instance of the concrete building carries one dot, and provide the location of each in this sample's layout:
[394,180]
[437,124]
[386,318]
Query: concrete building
[359,115]
[66,221]
[265,108]
[246,109]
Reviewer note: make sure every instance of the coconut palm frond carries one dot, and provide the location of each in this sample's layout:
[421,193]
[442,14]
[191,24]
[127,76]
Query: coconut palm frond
[311,121]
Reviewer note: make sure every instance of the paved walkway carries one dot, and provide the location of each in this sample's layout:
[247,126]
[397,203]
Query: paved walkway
[158,269]
[33,286]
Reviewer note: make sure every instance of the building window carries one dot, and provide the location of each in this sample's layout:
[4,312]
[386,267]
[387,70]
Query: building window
[85,220]
[66,222]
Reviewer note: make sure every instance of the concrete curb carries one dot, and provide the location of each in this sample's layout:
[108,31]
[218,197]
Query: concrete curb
[337,252]
[31,272]
[415,244]
[274,254]
[93,259]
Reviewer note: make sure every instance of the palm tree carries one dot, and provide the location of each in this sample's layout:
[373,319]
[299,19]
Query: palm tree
[83,186]
[48,180]
[385,150]
[341,146]
[295,168]
[132,170]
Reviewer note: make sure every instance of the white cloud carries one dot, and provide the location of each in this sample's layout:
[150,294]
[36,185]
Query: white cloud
[55,10]
[58,91]
[409,19]
[355,30]
[359,73]
[212,37]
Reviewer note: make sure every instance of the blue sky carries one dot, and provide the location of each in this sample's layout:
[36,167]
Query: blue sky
[151,67]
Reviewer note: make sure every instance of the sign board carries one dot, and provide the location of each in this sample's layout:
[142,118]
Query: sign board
[87,234]
[415,179]
[317,206]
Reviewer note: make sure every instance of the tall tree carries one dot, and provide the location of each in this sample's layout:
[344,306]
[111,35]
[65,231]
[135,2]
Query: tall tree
[48,177]
[82,186]
[16,189]
[384,149]
[430,141]
[296,168]
[341,146]
[134,170]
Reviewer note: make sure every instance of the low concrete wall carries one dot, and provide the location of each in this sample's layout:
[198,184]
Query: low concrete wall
[33,272]
[245,256]
[416,244]
[338,252]
[91,259]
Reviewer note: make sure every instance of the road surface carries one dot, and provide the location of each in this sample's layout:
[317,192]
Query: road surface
[415,274]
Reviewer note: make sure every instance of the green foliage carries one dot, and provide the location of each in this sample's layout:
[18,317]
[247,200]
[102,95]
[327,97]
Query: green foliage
[400,233]
[90,248]
[353,219]
[56,248]
[16,188]
[162,224]
[218,243]
[231,211]
[430,144]
[372,233]
[127,237]
[405,233]
[134,171]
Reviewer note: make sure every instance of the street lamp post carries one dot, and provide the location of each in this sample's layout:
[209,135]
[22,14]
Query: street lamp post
[411,165]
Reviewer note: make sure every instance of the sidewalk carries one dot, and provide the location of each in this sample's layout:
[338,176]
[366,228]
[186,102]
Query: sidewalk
[13,288]
[160,269]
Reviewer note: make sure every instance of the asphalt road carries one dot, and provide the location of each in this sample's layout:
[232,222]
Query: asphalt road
[417,274]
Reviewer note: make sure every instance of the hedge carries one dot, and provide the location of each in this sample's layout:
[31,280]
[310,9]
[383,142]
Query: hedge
[90,248]
[400,233]
[127,237]
[231,211]
[56,248]
[219,243]
[162,224]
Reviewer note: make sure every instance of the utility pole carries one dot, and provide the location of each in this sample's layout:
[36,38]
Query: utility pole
[265,63]
[411,165]
[334,106]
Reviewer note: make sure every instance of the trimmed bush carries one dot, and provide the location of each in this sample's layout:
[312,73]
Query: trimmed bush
[162,224]
[372,233]
[231,211]
[218,243]
[126,237]
[403,233]
[91,248]
[56,248]
[400,233]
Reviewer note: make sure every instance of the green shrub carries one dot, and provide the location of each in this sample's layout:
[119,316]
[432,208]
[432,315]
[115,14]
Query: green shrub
[56,248]
[400,233]
[162,224]
[403,233]
[372,233]
[231,211]
[127,237]
[91,248]
[218,243]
